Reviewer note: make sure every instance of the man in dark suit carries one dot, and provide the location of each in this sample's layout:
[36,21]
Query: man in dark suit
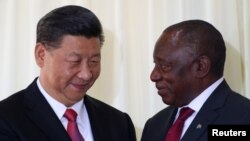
[189,62]
[69,41]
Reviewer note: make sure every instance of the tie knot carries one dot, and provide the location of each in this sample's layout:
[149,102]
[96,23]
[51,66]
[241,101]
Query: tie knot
[185,113]
[70,114]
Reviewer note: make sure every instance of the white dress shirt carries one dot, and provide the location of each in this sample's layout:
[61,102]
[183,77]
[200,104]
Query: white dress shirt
[197,103]
[79,107]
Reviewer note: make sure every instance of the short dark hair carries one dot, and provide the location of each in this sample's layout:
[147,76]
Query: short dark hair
[68,20]
[205,39]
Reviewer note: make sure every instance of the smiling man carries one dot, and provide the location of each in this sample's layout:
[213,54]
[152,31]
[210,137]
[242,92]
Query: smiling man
[189,62]
[55,106]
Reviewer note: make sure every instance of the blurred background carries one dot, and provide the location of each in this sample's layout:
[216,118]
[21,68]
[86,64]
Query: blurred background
[131,28]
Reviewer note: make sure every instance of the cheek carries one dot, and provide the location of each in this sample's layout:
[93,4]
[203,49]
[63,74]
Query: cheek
[55,65]
[96,71]
[169,77]
[65,70]
[175,82]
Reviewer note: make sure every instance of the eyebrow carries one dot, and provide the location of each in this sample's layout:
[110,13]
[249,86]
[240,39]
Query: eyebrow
[73,54]
[79,55]
[162,59]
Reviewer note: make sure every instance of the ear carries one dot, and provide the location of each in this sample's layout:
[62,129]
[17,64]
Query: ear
[203,65]
[40,51]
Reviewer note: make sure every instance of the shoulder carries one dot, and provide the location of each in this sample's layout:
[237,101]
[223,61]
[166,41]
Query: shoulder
[232,98]
[93,104]
[226,98]
[104,115]
[159,122]
[236,101]
[11,110]
[17,100]
[230,106]
[163,115]
[13,102]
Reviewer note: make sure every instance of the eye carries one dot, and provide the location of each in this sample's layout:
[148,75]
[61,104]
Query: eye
[74,60]
[164,67]
[94,61]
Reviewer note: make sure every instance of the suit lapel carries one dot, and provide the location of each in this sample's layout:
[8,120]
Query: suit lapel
[207,113]
[97,120]
[42,115]
[168,120]
[199,125]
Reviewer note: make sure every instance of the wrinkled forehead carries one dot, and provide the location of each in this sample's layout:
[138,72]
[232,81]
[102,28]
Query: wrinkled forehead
[173,40]
[174,35]
[170,38]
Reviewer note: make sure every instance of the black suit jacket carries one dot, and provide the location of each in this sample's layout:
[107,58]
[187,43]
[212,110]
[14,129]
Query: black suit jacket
[223,107]
[27,116]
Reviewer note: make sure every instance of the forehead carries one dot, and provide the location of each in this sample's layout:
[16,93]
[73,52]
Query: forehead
[79,44]
[172,37]
[70,40]
[171,45]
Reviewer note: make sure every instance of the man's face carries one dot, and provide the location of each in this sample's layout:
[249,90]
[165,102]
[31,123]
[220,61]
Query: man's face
[70,70]
[173,73]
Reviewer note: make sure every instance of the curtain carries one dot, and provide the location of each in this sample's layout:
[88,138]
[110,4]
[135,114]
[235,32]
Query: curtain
[131,28]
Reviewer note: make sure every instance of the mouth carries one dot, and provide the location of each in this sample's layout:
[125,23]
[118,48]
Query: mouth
[80,86]
[160,88]
[163,87]
[165,95]
[162,92]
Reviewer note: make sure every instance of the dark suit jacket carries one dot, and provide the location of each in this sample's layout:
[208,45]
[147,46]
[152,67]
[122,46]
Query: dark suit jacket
[223,107]
[27,116]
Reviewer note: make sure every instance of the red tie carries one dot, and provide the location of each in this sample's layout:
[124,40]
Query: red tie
[175,131]
[72,128]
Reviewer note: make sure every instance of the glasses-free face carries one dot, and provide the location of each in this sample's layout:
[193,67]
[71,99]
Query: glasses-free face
[175,70]
[69,71]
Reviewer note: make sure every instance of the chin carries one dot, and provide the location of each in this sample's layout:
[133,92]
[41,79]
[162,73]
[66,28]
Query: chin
[76,96]
[167,101]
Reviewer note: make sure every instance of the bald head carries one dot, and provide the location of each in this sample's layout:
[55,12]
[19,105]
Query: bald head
[203,38]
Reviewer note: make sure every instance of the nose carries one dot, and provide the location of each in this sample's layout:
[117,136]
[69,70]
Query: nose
[85,72]
[155,75]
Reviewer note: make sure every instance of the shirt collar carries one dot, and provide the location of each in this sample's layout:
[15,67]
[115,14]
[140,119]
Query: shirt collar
[58,107]
[197,103]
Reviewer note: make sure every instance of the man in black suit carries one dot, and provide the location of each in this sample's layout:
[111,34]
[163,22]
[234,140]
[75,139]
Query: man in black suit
[189,62]
[67,50]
